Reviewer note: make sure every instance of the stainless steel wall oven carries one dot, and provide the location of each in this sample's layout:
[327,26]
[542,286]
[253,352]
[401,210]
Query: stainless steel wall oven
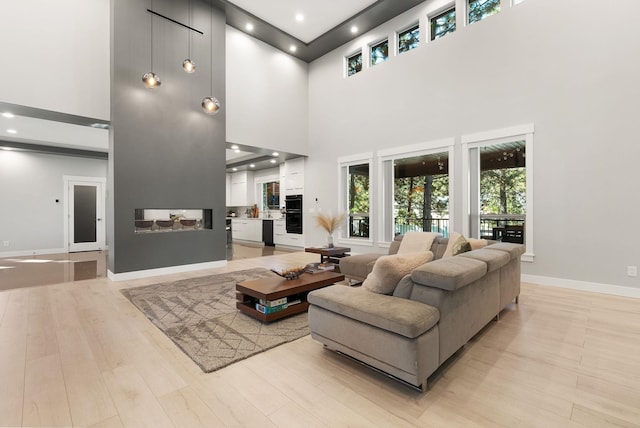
[293,215]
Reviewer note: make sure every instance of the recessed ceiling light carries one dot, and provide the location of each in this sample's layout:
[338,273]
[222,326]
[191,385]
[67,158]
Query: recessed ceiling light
[12,131]
[253,165]
[236,151]
[293,48]
[354,29]
[6,148]
[234,147]
[275,154]
[299,17]
[249,26]
[273,161]
[8,115]
[234,169]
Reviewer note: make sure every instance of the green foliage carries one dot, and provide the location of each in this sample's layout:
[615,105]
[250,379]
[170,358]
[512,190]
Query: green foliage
[503,191]
[409,197]
[358,193]
[480,9]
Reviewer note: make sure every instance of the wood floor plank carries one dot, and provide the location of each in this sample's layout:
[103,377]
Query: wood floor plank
[136,404]
[13,352]
[45,397]
[185,408]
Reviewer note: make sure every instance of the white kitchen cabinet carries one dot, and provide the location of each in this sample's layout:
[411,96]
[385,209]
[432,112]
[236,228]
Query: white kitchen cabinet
[228,191]
[281,237]
[294,177]
[242,189]
[246,229]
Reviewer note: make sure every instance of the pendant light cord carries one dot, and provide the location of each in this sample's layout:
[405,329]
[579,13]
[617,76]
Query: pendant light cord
[211,15]
[151,36]
[189,30]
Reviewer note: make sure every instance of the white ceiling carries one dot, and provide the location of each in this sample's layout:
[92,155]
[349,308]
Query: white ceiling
[319,16]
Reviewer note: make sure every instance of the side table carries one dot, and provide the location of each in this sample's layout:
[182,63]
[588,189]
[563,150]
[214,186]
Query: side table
[332,255]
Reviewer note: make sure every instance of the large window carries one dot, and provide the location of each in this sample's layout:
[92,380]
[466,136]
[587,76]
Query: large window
[409,39]
[421,194]
[354,63]
[500,186]
[379,52]
[443,23]
[355,196]
[480,9]
[415,189]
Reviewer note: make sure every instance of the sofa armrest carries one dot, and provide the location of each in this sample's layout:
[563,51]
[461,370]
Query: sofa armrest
[450,273]
[401,316]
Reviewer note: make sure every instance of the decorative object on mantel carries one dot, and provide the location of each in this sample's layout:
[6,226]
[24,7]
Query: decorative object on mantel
[330,223]
[289,274]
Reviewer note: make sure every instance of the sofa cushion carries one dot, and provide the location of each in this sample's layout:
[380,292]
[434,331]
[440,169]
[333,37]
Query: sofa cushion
[389,270]
[450,273]
[514,250]
[401,316]
[358,266]
[493,259]
[438,247]
[457,245]
[395,244]
[417,242]
[477,244]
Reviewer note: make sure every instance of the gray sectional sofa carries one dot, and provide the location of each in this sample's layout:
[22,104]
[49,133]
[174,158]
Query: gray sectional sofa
[431,313]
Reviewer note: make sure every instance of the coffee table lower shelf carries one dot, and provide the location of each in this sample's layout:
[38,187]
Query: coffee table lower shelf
[246,307]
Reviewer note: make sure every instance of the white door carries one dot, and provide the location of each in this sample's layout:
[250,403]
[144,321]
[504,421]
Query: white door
[86,225]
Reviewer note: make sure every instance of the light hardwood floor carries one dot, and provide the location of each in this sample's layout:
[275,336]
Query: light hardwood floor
[80,354]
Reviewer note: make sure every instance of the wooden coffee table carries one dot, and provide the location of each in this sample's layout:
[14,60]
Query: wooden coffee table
[248,293]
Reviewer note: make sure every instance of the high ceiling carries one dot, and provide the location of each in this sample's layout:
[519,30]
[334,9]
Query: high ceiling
[325,25]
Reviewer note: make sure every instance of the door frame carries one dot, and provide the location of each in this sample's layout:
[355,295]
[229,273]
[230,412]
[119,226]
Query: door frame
[100,183]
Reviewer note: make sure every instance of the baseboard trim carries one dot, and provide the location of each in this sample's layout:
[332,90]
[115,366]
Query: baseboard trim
[138,274]
[32,252]
[594,287]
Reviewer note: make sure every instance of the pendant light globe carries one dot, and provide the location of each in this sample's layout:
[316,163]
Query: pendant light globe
[210,105]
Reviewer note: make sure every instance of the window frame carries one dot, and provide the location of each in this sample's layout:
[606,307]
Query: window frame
[498,136]
[435,15]
[386,229]
[408,28]
[346,62]
[343,205]
[374,45]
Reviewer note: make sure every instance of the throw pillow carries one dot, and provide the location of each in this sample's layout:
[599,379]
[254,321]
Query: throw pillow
[417,242]
[476,244]
[389,270]
[457,244]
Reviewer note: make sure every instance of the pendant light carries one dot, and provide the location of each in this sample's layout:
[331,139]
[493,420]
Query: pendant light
[210,104]
[150,79]
[188,65]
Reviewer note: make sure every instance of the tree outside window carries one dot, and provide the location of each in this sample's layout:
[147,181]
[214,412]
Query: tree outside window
[354,64]
[358,200]
[480,9]
[380,52]
[443,23]
[421,194]
[409,39]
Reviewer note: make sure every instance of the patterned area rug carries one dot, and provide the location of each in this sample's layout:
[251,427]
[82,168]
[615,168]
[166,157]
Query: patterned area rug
[200,316]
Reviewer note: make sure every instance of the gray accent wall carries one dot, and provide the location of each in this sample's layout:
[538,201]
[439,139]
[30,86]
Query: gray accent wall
[164,151]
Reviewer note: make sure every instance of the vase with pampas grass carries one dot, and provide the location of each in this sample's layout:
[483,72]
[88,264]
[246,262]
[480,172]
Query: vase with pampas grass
[330,223]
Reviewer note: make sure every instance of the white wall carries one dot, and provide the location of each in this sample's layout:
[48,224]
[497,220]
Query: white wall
[550,63]
[30,183]
[55,55]
[267,101]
